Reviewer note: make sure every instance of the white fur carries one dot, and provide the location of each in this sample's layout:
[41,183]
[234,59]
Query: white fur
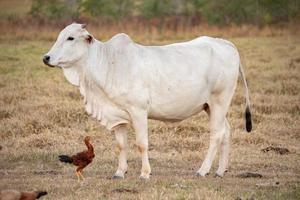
[126,83]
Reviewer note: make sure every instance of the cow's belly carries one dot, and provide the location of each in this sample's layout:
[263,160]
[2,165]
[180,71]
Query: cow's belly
[177,104]
[170,115]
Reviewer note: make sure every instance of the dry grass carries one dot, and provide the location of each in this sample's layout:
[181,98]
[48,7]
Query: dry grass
[41,116]
[14,8]
[141,31]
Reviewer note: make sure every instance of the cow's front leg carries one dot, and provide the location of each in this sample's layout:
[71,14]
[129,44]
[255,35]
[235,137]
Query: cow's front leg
[139,119]
[121,137]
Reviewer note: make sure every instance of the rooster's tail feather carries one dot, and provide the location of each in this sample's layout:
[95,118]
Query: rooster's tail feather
[41,193]
[65,158]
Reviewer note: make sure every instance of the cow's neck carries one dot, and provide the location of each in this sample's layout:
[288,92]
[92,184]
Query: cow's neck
[93,79]
[93,71]
[97,66]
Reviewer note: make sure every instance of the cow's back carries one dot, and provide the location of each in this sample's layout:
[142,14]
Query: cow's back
[182,77]
[173,81]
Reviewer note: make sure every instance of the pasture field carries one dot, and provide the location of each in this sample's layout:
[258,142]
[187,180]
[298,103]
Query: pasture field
[42,116]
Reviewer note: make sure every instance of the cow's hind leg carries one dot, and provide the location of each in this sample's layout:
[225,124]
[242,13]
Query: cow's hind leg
[225,147]
[217,131]
[121,137]
[224,151]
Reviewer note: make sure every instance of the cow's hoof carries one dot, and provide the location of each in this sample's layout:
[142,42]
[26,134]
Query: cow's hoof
[117,177]
[144,177]
[199,174]
[119,174]
[218,175]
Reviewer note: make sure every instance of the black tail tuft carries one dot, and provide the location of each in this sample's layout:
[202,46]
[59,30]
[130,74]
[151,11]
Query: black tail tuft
[248,119]
[65,158]
[41,194]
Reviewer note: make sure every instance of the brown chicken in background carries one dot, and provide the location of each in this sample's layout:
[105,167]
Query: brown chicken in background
[17,195]
[81,159]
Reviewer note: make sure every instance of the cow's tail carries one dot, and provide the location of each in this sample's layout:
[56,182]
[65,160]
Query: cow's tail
[247,112]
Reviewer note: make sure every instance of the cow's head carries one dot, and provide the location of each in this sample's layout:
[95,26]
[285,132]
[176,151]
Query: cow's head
[70,48]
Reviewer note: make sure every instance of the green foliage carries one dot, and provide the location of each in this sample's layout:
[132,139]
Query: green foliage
[158,8]
[115,9]
[155,8]
[54,9]
[213,11]
[250,11]
[192,7]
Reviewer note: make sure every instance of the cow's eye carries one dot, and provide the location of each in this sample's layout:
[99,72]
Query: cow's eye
[70,38]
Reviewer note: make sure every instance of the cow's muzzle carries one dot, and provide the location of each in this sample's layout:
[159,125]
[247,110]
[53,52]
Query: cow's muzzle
[46,60]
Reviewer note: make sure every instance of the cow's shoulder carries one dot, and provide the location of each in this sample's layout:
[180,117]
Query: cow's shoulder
[120,40]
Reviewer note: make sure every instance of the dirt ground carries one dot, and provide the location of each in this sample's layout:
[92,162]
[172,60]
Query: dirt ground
[42,116]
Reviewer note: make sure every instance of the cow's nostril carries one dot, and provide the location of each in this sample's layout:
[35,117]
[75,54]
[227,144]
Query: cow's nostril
[46,59]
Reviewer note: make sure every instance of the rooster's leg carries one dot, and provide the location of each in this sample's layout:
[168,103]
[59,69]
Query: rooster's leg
[78,173]
[78,176]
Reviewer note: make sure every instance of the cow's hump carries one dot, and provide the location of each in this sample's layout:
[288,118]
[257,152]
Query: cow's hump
[120,40]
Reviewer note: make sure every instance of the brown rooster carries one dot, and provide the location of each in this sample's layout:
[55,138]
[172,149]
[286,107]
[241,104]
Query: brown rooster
[81,159]
[17,195]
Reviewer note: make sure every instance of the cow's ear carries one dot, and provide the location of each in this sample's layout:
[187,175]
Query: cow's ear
[89,39]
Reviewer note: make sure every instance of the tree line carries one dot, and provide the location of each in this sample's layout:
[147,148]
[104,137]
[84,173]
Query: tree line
[221,12]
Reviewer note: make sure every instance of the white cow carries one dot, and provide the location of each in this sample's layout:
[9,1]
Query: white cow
[126,83]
